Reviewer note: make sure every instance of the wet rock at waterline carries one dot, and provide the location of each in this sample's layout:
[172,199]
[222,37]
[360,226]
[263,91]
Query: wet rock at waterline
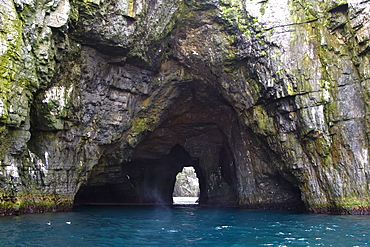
[106,101]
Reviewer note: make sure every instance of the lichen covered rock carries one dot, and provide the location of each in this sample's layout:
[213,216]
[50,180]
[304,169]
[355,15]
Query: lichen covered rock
[106,101]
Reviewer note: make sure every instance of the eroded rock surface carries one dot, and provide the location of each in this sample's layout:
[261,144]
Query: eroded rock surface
[106,101]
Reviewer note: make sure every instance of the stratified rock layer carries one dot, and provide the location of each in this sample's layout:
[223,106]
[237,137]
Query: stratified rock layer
[106,101]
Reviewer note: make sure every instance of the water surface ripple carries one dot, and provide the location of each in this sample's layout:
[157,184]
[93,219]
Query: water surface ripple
[182,226]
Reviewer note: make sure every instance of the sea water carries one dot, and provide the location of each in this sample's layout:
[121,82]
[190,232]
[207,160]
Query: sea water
[182,226]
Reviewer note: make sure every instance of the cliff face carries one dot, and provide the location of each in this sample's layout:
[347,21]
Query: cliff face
[106,101]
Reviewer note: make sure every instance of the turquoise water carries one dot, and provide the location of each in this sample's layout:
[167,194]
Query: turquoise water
[182,226]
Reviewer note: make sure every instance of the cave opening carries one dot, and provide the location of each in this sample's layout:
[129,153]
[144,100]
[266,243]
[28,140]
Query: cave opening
[194,132]
[186,190]
[140,181]
[199,129]
[199,125]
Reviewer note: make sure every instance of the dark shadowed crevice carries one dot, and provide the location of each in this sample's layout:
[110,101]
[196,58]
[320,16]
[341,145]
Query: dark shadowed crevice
[341,8]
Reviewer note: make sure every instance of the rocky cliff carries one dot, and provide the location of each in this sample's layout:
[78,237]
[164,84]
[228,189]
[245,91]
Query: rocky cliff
[187,183]
[106,101]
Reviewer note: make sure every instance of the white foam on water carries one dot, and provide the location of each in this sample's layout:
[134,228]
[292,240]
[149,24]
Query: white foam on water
[185,200]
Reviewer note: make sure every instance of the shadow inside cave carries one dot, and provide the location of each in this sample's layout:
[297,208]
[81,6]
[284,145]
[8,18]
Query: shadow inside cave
[140,182]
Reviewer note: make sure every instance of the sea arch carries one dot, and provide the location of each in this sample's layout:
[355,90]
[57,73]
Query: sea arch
[199,129]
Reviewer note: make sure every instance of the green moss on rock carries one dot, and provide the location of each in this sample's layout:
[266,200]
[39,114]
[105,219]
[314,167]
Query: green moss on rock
[10,40]
[37,205]
[139,128]
[353,207]
[261,122]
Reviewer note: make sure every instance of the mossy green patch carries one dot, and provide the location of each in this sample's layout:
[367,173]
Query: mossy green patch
[139,128]
[33,207]
[232,12]
[290,89]
[131,8]
[348,207]
[140,125]
[10,38]
[262,123]
[83,8]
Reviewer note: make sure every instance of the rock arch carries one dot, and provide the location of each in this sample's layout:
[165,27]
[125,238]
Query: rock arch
[200,129]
